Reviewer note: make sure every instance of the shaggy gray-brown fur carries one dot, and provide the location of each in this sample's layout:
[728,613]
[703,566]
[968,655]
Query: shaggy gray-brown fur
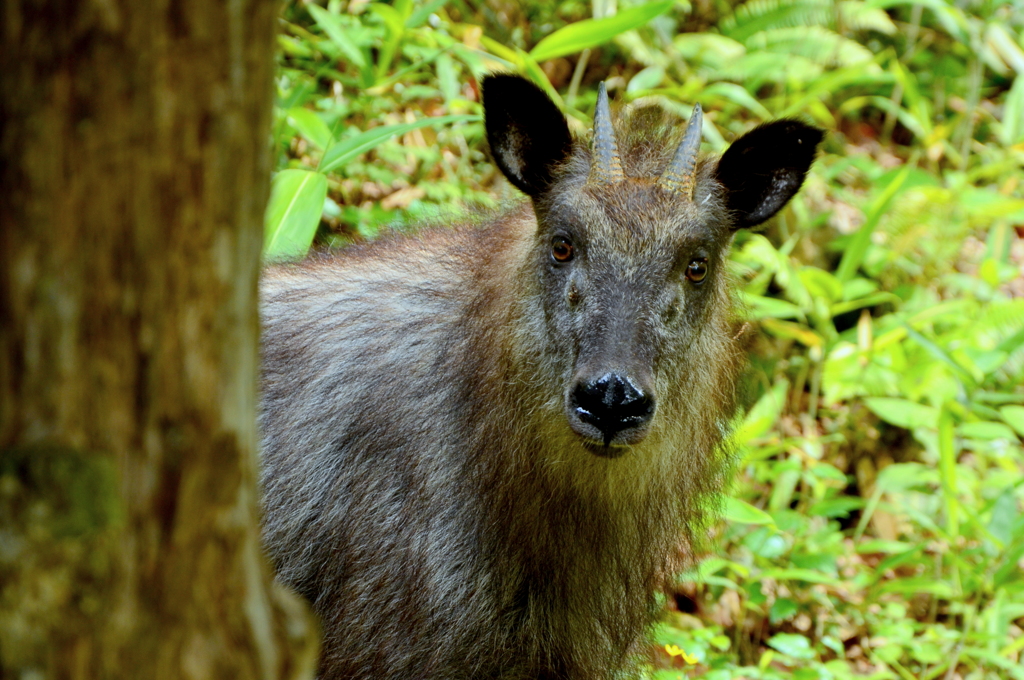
[428,483]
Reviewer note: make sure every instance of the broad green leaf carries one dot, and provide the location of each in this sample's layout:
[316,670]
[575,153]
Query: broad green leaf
[791,644]
[593,32]
[820,283]
[761,307]
[985,430]
[735,94]
[344,151]
[709,567]
[903,413]
[293,213]
[447,80]
[939,354]
[294,48]
[783,609]
[310,126]
[860,303]
[505,52]
[1014,417]
[902,476]
[647,79]
[739,512]
[793,331]
[1013,113]
[988,204]
[836,507]
[763,414]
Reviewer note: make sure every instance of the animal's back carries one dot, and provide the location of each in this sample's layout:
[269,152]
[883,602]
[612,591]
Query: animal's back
[369,435]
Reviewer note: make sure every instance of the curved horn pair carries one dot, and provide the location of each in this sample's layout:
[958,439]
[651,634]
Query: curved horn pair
[606,166]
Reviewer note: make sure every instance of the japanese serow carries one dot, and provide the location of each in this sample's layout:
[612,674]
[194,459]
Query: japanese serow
[485,448]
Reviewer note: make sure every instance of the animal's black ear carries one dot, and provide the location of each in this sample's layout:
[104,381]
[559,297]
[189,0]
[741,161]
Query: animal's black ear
[527,133]
[764,168]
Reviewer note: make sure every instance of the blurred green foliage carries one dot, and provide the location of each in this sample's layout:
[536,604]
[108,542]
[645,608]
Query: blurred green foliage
[876,527]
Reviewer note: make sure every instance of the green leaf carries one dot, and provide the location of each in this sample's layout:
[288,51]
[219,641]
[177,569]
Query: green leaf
[332,26]
[836,507]
[422,13]
[647,79]
[394,20]
[916,585]
[790,644]
[883,546]
[740,512]
[793,331]
[821,284]
[735,94]
[293,213]
[310,126]
[947,469]
[939,354]
[347,149]
[951,18]
[986,430]
[858,247]
[761,307]
[903,413]
[1013,113]
[1014,417]
[763,414]
[593,32]
[805,575]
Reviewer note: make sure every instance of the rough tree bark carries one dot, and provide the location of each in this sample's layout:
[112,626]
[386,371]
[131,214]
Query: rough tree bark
[133,176]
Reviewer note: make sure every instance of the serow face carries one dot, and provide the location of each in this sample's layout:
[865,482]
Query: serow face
[630,250]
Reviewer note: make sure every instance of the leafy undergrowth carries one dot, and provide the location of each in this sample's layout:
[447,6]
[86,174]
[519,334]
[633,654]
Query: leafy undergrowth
[875,529]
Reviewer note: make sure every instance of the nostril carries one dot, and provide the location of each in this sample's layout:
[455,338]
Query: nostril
[612,404]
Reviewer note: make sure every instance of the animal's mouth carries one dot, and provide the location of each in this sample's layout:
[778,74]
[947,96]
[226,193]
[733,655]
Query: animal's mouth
[609,451]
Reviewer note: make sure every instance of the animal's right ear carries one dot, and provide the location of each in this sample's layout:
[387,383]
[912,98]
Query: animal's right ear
[764,168]
[527,133]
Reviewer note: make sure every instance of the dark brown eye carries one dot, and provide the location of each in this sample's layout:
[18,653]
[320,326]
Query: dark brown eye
[697,270]
[561,249]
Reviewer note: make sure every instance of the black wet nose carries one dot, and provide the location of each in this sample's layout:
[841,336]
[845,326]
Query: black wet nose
[611,404]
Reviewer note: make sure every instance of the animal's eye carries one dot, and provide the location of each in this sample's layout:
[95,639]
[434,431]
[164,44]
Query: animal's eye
[697,270]
[561,249]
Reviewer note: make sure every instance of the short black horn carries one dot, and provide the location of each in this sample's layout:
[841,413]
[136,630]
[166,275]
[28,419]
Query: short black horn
[679,175]
[606,166]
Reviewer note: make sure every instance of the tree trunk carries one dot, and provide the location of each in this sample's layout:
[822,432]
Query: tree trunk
[133,175]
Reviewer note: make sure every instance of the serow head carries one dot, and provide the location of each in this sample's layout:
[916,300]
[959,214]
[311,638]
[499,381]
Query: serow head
[628,262]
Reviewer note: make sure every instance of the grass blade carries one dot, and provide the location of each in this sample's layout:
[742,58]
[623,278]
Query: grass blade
[593,32]
[293,213]
[347,149]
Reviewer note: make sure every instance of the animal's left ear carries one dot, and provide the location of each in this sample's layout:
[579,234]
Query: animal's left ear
[764,168]
[527,133]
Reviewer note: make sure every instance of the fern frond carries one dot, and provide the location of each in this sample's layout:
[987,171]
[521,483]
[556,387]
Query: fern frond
[815,43]
[758,68]
[756,16]
[858,16]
